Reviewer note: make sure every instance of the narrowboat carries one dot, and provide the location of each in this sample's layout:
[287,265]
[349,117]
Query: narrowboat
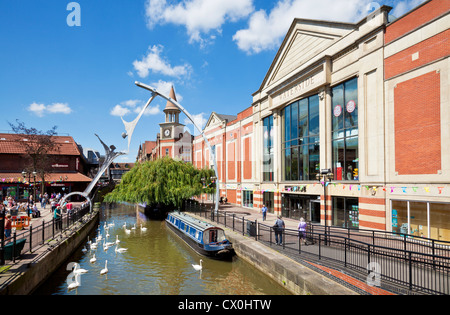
[204,238]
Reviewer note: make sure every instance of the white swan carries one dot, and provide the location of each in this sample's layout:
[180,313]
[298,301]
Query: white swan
[120,250]
[126,230]
[111,224]
[117,239]
[84,250]
[104,270]
[134,227]
[93,259]
[74,285]
[198,267]
[78,270]
[143,229]
[94,245]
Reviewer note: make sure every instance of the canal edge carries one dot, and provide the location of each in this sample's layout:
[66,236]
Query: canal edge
[26,275]
[290,274]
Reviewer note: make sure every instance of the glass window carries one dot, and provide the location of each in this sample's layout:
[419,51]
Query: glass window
[440,221]
[268,149]
[247,198]
[301,139]
[345,212]
[268,200]
[345,130]
[436,227]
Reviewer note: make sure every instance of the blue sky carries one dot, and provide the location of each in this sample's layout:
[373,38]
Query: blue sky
[81,78]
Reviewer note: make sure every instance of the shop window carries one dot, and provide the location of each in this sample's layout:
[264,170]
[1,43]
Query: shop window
[345,130]
[300,139]
[345,212]
[268,200]
[247,198]
[268,149]
[422,219]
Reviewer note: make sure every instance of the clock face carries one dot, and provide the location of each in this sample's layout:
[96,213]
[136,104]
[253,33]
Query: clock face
[167,132]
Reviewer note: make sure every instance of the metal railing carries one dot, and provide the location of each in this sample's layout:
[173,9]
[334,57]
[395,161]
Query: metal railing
[412,265]
[36,236]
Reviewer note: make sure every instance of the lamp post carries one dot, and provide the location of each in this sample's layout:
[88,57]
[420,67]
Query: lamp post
[130,128]
[323,176]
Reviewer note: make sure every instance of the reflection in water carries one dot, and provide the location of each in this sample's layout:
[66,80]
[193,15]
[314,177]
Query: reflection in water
[157,262]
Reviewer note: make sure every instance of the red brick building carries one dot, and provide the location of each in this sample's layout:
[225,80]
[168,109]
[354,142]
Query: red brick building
[64,172]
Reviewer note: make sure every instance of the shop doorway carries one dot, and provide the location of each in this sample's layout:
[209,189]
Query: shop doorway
[297,206]
[314,213]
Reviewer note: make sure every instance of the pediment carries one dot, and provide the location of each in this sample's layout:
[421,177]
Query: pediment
[306,40]
[218,119]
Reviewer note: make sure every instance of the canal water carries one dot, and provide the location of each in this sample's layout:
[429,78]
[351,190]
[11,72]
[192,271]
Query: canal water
[156,262]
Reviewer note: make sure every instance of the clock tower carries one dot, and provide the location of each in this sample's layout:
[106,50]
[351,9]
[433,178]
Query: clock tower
[172,134]
[172,124]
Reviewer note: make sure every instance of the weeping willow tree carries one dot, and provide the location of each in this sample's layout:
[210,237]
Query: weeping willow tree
[164,181]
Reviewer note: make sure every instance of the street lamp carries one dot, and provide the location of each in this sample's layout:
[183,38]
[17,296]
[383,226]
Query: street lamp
[130,127]
[323,176]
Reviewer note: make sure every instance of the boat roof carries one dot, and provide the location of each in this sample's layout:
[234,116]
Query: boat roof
[201,225]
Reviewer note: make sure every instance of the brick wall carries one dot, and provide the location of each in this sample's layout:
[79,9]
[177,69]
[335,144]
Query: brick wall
[417,125]
[416,18]
[418,55]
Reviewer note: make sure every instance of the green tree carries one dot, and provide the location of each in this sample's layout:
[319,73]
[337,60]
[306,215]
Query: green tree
[164,181]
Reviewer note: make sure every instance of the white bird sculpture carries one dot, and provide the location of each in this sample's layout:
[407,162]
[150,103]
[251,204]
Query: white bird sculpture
[198,267]
[104,271]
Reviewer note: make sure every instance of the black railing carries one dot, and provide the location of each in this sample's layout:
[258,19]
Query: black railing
[409,264]
[36,236]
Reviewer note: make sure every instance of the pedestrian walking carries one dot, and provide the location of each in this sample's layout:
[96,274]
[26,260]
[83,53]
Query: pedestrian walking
[302,230]
[57,217]
[279,228]
[264,212]
[8,226]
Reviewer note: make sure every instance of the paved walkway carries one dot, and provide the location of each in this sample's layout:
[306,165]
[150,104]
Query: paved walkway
[344,278]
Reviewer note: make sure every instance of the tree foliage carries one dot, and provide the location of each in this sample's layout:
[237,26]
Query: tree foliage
[164,181]
[38,148]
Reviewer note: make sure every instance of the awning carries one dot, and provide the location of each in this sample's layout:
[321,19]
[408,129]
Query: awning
[76,177]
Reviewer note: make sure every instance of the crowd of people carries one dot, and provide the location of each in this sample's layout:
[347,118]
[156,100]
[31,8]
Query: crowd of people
[29,208]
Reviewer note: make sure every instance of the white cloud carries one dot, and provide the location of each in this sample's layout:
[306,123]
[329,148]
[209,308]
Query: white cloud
[157,64]
[133,106]
[266,30]
[120,111]
[199,119]
[199,17]
[401,7]
[55,108]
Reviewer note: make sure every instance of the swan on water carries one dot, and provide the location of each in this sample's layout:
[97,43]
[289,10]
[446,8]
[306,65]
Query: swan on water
[74,285]
[126,230]
[78,270]
[104,270]
[198,267]
[134,227]
[143,229]
[117,239]
[120,250]
[93,259]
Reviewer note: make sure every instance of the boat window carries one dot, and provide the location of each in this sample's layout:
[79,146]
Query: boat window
[214,236]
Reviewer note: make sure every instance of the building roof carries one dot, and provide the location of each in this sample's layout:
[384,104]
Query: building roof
[169,105]
[10,144]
